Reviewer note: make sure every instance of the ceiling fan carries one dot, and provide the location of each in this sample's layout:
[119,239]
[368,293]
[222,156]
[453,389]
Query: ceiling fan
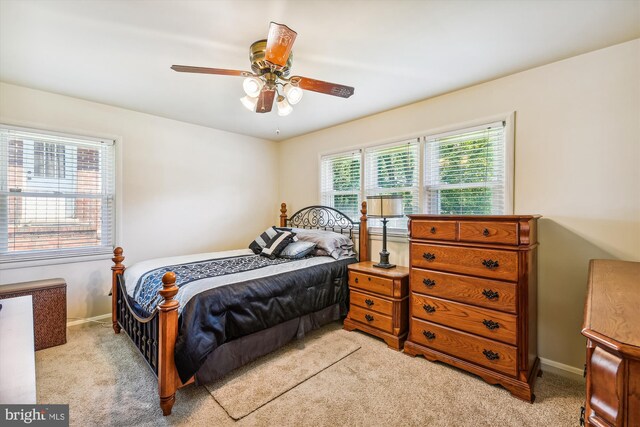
[271,62]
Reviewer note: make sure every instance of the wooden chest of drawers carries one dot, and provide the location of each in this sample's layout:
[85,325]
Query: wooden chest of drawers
[378,302]
[612,329]
[473,296]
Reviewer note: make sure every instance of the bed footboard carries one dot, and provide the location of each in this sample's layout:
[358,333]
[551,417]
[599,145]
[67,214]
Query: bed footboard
[154,336]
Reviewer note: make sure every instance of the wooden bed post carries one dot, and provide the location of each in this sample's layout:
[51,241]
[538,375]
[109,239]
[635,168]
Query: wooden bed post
[116,269]
[283,215]
[168,380]
[364,234]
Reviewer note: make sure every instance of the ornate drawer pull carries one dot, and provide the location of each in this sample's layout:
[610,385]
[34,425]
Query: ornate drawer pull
[490,324]
[356,280]
[490,264]
[430,335]
[486,232]
[490,294]
[429,308]
[491,355]
[429,283]
[428,256]
[368,302]
[433,230]
[368,317]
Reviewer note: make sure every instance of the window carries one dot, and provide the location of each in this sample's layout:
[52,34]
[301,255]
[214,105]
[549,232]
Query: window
[48,160]
[56,195]
[393,169]
[464,172]
[340,182]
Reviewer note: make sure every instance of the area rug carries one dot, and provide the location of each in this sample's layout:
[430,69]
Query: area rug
[253,386]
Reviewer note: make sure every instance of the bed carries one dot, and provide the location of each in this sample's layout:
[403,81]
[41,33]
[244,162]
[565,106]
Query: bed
[188,336]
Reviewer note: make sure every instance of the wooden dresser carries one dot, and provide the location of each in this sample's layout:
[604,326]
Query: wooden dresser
[378,302]
[473,289]
[612,327]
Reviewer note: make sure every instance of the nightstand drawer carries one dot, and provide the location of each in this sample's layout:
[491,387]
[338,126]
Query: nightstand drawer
[435,230]
[371,318]
[489,232]
[372,303]
[493,263]
[480,321]
[492,354]
[487,293]
[378,285]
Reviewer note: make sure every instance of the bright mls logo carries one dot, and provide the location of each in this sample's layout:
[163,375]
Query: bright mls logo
[35,415]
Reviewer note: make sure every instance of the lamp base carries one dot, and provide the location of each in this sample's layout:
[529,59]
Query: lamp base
[384,265]
[384,256]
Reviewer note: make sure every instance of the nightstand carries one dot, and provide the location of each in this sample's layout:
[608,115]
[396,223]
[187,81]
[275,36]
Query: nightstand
[379,302]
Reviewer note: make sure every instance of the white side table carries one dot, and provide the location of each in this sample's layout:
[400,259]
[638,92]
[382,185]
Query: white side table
[17,351]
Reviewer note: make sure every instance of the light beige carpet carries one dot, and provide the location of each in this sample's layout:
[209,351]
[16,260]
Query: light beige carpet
[107,383]
[253,386]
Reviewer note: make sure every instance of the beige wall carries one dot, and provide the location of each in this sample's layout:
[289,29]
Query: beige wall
[184,188]
[577,157]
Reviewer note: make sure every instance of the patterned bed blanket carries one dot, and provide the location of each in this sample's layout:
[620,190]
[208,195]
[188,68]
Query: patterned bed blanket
[147,286]
[224,296]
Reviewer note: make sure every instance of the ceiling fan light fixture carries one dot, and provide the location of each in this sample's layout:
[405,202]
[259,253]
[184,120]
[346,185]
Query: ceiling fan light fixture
[252,86]
[250,102]
[293,93]
[284,109]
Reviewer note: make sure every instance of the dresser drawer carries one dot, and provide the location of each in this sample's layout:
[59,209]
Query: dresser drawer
[378,285]
[371,318]
[493,263]
[489,232]
[480,321]
[491,354]
[438,230]
[372,303]
[471,290]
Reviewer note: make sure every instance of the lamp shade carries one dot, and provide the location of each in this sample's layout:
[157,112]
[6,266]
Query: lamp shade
[252,86]
[384,206]
[284,109]
[249,102]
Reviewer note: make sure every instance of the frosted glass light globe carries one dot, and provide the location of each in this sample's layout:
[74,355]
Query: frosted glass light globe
[252,86]
[293,93]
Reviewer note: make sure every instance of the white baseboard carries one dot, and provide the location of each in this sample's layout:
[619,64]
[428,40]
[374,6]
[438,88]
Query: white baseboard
[89,319]
[561,369]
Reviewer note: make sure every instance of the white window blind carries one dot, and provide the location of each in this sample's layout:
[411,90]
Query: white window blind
[57,195]
[465,171]
[340,182]
[394,169]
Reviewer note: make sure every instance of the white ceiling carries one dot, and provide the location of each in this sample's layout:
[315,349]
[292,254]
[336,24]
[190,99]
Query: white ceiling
[393,52]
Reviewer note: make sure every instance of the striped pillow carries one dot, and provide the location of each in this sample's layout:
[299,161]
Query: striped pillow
[262,240]
[277,244]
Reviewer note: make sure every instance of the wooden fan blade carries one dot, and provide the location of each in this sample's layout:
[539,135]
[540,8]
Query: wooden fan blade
[279,43]
[322,87]
[205,70]
[265,100]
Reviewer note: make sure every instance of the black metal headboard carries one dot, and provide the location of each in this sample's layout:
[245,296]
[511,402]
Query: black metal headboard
[324,218]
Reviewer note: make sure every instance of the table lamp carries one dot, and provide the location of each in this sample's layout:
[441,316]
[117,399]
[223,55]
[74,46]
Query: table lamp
[384,207]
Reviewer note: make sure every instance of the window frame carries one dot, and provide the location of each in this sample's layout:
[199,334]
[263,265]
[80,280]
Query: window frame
[509,161]
[323,194]
[70,255]
[374,191]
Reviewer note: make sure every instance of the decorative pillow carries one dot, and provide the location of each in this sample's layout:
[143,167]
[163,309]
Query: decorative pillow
[262,240]
[327,242]
[295,238]
[277,244]
[297,250]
